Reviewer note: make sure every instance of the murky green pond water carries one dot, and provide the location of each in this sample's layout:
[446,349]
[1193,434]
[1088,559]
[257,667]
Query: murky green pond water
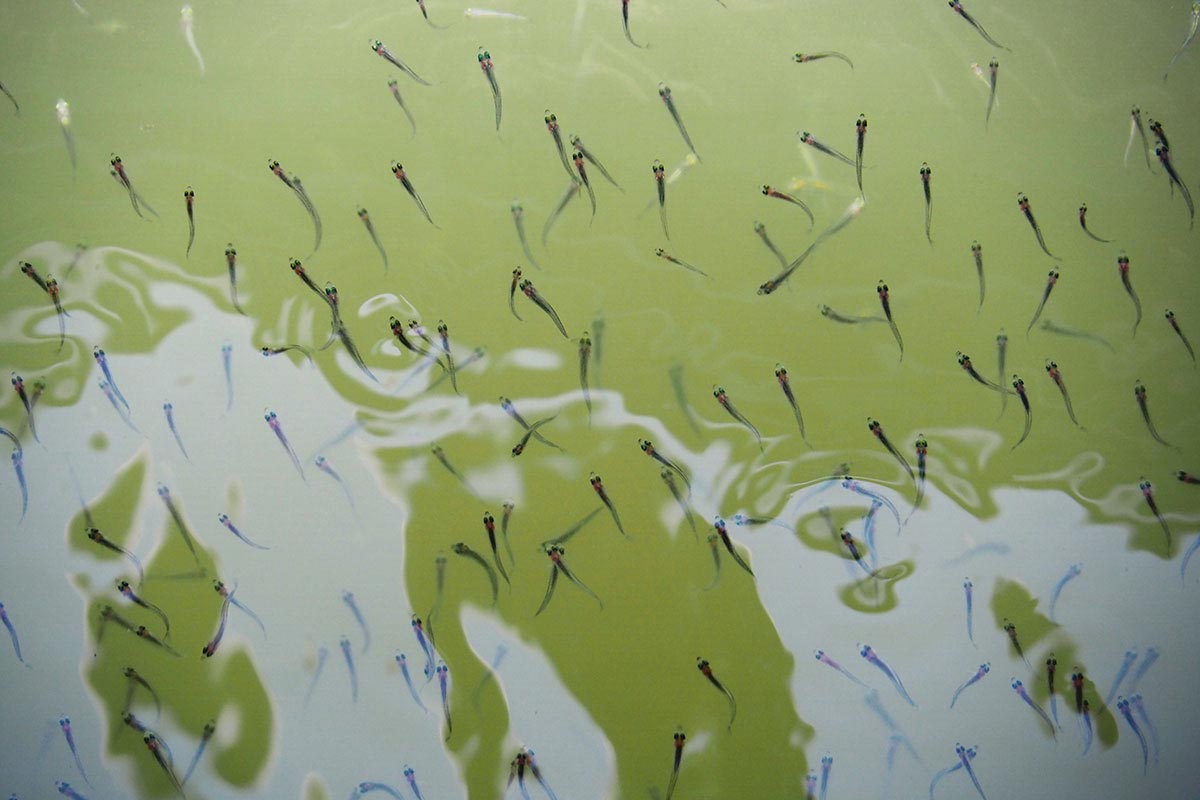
[588,656]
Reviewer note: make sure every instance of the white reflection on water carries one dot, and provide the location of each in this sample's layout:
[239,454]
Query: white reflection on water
[544,716]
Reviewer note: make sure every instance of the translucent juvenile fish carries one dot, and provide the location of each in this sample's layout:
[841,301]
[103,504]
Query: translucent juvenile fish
[277,428]
[805,58]
[956,6]
[403,662]
[1123,707]
[1139,394]
[189,201]
[227,366]
[1051,282]
[323,464]
[660,185]
[846,319]
[9,95]
[1073,571]
[440,455]
[344,643]
[224,520]
[169,411]
[1123,271]
[173,510]
[1164,158]
[12,635]
[873,658]
[577,143]
[761,230]
[209,729]
[485,64]
[1148,495]
[569,194]
[62,110]
[348,599]
[293,183]
[532,293]
[1083,224]
[65,724]
[1019,688]
[518,215]
[1023,204]
[462,549]
[402,176]
[366,220]
[851,212]
[96,536]
[1170,317]
[559,565]
[707,672]
[187,24]
[926,174]
[983,670]
[322,654]
[877,429]
[390,57]
[664,93]
[725,403]
[1055,375]
[1193,25]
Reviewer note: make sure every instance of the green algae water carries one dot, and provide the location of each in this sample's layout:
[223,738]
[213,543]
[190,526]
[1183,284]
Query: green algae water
[583,661]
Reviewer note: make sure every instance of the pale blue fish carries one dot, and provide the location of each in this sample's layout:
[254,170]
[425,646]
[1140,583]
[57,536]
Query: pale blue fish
[1147,662]
[348,599]
[869,532]
[223,518]
[426,648]
[322,655]
[209,729]
[102,360]
[1130,656]
[810,786]
[873,658]
[1088,735]
[273,422]
[875,704]
[1140,707]
[227,362]
[955,767]
[826,768]
[1191,551]
[169,410]
[1019,688]
[107,388]
[65,725]
[1072,572]
[403,662]
[323,465]
[856,487]
[366,787]
[245,609]
[65,790]
[1123,707]
[345,645]
[984,669]
[12,633]
[443,673]
[967,587]
[410,775]
[18,462]
[829,662]
[966,762]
